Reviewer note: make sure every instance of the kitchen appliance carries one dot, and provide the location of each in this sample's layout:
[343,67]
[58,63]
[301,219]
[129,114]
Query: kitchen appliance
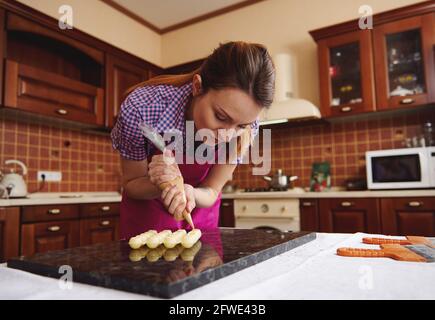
[285,106]
[222,252]
[12,181]
[277,214]
[280,181]
[401,168]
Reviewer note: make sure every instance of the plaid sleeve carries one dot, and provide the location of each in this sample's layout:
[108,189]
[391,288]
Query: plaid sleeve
[126,135]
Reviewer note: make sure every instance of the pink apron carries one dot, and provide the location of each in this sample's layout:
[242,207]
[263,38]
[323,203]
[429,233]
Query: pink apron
[138,216]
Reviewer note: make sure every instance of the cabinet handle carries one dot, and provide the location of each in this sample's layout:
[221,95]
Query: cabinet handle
[264,208]
[415,204]
[105,208]
[225,204]
[307,204]
[53,211]
[105,223]
[62,111]
[53,228]
[407,101]
[283,208]
[346,109]
[244,208]
[346,204]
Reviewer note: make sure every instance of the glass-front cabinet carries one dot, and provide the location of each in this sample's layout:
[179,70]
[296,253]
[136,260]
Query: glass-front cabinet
[404,62]
[346,73]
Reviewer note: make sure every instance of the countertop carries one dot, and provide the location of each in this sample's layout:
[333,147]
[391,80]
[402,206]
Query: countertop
[43,198]
[310,271]
[299,193]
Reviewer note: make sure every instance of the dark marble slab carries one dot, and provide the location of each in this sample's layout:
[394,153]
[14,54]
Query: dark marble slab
[114,265]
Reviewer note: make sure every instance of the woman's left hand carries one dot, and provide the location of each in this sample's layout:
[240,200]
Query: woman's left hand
[175,203]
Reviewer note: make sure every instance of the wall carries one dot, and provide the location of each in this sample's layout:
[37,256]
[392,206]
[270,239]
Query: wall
[343,144]
[87,164]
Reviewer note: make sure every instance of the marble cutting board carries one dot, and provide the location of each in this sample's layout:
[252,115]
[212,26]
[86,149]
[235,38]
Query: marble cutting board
[221,252]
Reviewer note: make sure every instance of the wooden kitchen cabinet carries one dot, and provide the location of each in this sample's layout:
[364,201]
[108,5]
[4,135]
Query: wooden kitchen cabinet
[51,74]
[388,66]
[49,236]
[61,226]
[404,62]
[9,232]
[349,215]
[121,74]
[99,230]
[226,213]
[408,216]
[346,74]
[309,212]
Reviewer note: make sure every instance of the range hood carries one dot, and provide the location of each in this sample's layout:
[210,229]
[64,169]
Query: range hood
[285,107]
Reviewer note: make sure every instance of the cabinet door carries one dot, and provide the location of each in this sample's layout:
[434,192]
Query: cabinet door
[349,215]
[120,76]
[9,232]
[226,214]
[99,230]
[346,74]
[309,215]
[404,62]
[49,236]
[408,216]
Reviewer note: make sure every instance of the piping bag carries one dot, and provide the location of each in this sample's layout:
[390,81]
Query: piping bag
[157,140]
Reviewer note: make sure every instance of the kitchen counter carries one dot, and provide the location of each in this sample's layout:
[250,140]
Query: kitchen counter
[310,271]
[43,198]
[299,193]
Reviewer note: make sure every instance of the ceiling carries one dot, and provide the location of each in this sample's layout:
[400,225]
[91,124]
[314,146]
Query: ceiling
[166,15]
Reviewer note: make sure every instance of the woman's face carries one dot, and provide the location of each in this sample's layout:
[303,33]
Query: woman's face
[229,108]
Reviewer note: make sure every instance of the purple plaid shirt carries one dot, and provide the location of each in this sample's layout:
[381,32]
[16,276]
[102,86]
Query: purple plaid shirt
[160,106]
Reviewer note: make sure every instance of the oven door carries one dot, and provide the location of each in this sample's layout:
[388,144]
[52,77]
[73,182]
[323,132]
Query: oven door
[397,168]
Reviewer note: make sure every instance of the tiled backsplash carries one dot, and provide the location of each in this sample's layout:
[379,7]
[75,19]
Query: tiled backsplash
[342,144]
[86,160]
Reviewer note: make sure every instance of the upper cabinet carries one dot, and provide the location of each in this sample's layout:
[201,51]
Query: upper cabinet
[388,66]
[120,76]
[65,74]
[346,73]
[49,73]
[405,73]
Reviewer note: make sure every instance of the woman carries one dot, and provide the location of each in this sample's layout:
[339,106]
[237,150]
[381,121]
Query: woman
[227,92]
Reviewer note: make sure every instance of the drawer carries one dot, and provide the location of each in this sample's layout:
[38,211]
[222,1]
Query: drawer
[352,203]
[49,213]
[99,209]
[49,236]
[411,203]
[266,208]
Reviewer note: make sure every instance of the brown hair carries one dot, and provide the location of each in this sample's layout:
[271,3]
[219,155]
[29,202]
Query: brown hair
[241,65]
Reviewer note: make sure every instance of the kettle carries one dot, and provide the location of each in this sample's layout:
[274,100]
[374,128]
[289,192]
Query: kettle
[280,181]
[13,182]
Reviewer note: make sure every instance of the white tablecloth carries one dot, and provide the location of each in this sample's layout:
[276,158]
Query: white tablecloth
[311,271]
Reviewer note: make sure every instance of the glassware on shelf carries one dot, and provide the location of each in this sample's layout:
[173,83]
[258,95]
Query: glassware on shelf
[405,65]
[345,74]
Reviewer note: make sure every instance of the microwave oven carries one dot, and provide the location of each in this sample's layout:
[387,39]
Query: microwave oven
[408,168]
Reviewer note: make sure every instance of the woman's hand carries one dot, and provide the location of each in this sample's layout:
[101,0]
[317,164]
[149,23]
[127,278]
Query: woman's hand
[175,202]
[163,168]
